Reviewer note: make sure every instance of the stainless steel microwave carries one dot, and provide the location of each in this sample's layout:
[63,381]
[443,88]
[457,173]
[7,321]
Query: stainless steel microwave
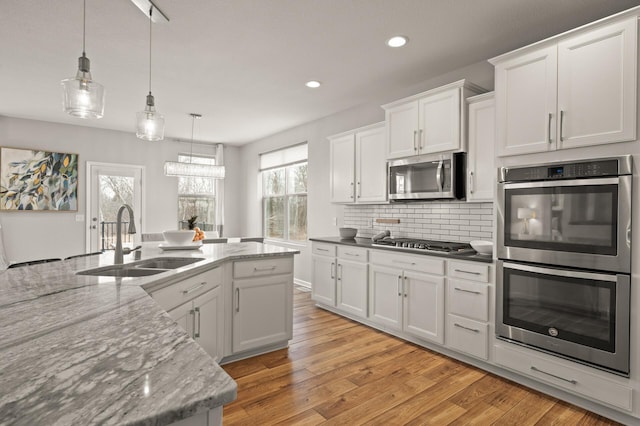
[425,177]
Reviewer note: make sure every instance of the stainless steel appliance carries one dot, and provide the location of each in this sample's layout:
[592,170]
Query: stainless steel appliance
[564,244]
[424,245]
[424,177]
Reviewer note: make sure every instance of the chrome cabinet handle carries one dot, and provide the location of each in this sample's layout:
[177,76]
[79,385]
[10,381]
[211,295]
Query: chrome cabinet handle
[351,196]
[420,139]
[404,287]
[339,272]
[466,328]
[549,128]
[399,285]
[321,249]
[192,313]
[561,124]
[467,272]
[572,381]
[352,254]
[470,181]
[439,181]
[415,146]
[359,190]
[237,300]
[270,268]
[197,311]
[194,288]
[404,263]
[333,275]
[467,291]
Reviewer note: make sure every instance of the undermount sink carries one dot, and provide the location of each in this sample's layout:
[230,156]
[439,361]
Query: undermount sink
[142,268]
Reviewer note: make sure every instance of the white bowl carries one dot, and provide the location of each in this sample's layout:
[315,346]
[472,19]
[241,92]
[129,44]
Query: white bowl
[179,238]
[482,247]
[348,232]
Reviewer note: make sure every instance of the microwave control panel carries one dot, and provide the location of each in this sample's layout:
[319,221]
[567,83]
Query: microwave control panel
[576,170]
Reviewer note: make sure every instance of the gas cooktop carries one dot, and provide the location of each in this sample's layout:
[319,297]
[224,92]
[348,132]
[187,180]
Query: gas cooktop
[425,245]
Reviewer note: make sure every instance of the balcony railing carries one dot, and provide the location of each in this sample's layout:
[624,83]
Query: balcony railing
[108,235]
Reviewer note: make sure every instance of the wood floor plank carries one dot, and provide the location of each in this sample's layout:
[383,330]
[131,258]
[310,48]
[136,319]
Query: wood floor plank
[337,371]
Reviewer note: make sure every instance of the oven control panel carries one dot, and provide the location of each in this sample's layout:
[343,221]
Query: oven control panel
[575,170]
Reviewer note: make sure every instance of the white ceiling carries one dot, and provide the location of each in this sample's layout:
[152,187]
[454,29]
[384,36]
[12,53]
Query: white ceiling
[242,64]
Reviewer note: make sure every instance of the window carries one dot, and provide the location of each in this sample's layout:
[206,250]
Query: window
[284,193]
[197,196]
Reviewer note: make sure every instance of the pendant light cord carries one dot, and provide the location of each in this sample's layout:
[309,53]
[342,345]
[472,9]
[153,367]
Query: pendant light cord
[150,24]
[193,125]
[84,24]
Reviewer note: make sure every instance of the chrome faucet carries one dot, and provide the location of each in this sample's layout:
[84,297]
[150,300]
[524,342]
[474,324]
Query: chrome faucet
[117,257]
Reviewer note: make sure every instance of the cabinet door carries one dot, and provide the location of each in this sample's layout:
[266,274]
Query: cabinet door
[402,130]
[482,177]
[526,102]
[209,322]
[371,166]
[597,86]
[385,296]
[262,312]
[352,287]
[440,122]
[342,169]
[323,287]
[184,315]
[424,306]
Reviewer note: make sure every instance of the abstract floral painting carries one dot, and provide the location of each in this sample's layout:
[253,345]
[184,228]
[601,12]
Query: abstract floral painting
[38,180]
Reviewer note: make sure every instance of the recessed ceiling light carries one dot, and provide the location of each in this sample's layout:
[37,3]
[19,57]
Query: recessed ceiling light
[397,41]
[312,84]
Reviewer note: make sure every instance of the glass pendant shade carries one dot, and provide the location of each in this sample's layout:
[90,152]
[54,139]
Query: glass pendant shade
[174,168]
[81,96]
[150,123]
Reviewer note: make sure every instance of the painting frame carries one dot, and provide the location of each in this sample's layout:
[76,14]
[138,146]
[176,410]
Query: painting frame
[38,180]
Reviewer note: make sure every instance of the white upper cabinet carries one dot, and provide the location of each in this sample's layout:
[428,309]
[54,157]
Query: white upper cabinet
[574,91]
[429,122]
[358,166]
[481,172]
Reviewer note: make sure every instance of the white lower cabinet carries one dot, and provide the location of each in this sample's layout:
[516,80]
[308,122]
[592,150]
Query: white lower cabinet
[203,319]
[468,336]
[351,280]
[407,300]
[262,304]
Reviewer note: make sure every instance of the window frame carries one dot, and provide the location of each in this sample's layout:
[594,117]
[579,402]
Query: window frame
[182,223]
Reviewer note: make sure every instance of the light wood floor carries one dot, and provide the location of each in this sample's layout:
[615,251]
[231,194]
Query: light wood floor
[337,371]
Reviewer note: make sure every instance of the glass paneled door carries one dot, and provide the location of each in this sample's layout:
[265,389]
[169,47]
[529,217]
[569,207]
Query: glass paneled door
[110,186]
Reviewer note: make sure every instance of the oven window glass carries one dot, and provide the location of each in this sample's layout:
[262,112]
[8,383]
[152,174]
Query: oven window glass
[419,178]
[580,219]
[578,310]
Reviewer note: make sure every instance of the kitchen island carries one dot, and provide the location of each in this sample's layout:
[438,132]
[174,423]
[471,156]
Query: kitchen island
[79,349]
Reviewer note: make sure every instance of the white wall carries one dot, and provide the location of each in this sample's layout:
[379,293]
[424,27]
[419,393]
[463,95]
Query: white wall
[34,235]
[320,211]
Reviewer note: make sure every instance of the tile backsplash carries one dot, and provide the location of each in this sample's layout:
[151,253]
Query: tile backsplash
[444,221]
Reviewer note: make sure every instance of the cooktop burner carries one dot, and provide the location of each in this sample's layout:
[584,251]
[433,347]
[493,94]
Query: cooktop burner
[427,245]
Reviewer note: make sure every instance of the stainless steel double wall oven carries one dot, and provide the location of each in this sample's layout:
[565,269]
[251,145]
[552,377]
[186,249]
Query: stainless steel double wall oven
[564,250]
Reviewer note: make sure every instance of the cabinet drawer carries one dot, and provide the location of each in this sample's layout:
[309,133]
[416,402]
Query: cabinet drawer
[324,249]
[427,264]
[176,294]
[355,254]
[469,271]
[468,336]
[591,385]
[257,268]
[469,299]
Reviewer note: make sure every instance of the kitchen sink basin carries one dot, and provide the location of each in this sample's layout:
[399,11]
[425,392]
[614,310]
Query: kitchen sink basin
[142,268]
[167,262]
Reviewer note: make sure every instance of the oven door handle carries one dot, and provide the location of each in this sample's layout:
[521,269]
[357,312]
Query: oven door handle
[439,176]
[629,235]
[568,182]
[561,272]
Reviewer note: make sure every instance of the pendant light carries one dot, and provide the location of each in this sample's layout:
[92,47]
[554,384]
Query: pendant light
[81,96]
[191,169]
[150,123]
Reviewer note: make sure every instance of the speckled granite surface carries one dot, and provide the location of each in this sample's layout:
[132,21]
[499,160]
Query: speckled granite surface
[98,350]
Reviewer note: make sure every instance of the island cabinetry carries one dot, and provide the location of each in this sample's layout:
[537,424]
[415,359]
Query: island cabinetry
[406,293]
[570,92]
[429,122]
[351,280]
[358,169]
[262,303]
[468,308]
[196,304]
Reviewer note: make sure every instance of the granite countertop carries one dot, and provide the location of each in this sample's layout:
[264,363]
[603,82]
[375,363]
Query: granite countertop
[78,349]
[367,243]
